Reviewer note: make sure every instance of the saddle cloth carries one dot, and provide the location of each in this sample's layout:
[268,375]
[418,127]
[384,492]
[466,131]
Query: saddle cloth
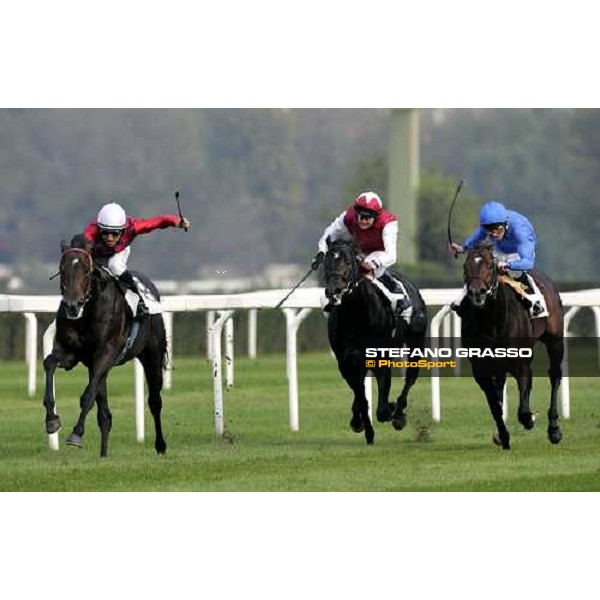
[515,285]
[394,297]
[153,304]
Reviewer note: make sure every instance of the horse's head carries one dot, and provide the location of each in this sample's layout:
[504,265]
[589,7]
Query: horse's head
[480,274]
[76,268]
[341,267]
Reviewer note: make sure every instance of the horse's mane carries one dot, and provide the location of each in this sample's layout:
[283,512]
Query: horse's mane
[79,241]
[483,246]
[343,243]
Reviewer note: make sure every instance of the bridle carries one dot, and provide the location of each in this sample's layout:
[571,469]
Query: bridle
[350,257]
[90,264]
[489,291]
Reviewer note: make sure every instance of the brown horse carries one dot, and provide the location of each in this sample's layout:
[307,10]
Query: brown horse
[495,317]
[92,326]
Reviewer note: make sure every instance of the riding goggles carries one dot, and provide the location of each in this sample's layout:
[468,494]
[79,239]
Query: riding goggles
[365,214]
[492,226]
[116,232]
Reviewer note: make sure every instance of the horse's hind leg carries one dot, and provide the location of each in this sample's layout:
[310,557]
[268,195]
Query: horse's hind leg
[152,363]
[104,417]
[556,350]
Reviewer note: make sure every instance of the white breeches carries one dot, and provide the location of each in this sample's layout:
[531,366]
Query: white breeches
[117,263]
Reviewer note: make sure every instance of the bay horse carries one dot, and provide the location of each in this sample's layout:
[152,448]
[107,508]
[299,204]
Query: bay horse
[495,317]
[361,311]
[92,327]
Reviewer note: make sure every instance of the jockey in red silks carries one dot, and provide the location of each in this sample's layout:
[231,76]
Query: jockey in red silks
[375,230]
[111,235]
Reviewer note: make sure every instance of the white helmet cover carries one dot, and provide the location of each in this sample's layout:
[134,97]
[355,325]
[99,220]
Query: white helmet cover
[111,216]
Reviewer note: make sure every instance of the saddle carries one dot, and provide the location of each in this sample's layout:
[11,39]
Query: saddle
[395,291]
[525,291]
[515,284]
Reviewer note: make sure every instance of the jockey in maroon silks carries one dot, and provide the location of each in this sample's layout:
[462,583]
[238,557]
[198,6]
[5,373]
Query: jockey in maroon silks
[111,235]
[375,230]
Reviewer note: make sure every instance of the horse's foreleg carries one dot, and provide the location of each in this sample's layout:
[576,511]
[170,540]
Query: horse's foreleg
[399,420]
[104,417]
[385,409]
[360,409]
[495,403]
[97,373]
[53,423]
[55,359]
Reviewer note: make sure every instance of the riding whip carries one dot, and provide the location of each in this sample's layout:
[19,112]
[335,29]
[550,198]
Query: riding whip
[179,207]
[458,188]
[296,287]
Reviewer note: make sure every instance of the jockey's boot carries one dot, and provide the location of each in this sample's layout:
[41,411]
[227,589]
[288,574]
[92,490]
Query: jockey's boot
[459,306]
[127,279]
[534,300]
[394,287]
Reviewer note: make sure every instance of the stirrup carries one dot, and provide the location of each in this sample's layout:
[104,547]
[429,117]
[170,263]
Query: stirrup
[142,310]
[537,309]
[402,304]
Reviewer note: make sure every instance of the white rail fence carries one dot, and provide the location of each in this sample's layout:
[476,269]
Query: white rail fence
[220,310]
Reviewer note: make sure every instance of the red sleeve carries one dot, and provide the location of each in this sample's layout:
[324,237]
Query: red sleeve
[147,225]
[91,232]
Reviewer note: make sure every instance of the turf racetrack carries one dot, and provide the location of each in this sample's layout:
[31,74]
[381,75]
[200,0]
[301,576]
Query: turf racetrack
[259,452]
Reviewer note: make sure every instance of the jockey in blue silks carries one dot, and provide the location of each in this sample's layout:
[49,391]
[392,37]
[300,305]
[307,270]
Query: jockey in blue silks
[514,240]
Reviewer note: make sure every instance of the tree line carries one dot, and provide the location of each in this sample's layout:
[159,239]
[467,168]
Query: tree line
[261,184]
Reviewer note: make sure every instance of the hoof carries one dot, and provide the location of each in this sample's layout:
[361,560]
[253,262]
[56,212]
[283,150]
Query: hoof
[75,440]
[53,425]
[399,423]
[555,435]
[370,440]
[357,425]
[505,444]
[527,420]
[384,416]
[161,447]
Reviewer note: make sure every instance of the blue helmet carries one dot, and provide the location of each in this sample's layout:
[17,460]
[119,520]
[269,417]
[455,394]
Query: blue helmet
[493,212]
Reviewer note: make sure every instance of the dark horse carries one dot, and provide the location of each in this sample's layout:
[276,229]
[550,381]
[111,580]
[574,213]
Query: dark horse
[495,317]
[92,326]
[362,312]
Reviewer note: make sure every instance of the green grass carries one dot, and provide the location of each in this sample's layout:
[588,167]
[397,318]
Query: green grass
[260,453]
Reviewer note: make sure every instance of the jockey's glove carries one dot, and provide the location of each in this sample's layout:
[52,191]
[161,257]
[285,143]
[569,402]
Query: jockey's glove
[317,260]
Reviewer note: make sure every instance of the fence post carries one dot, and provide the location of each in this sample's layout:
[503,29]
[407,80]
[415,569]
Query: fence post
[216,331]
[31,350]
[294,318]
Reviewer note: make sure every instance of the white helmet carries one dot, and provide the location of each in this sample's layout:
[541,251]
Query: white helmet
[111,216]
